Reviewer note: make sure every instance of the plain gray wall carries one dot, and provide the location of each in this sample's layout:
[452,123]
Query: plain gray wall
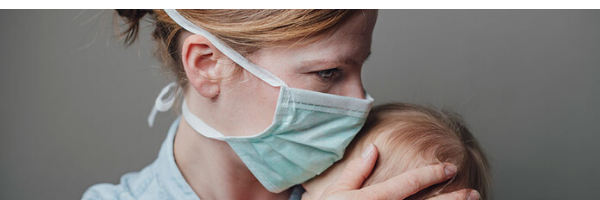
[74,101]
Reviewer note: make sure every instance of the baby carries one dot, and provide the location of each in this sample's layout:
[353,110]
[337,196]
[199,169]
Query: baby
[410,136]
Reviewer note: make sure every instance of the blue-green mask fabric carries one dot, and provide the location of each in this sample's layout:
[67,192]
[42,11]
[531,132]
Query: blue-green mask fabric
[310,132]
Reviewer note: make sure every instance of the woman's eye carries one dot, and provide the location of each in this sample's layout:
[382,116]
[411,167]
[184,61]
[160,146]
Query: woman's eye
[328,73]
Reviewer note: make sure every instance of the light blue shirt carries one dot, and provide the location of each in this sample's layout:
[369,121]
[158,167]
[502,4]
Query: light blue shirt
[159,180]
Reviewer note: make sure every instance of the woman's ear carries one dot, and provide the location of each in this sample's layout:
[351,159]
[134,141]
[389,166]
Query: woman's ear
[200,62]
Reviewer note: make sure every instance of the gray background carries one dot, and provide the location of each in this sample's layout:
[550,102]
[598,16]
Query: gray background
[74,101]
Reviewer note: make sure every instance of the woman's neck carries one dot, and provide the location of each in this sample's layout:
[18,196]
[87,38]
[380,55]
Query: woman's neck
[213,170]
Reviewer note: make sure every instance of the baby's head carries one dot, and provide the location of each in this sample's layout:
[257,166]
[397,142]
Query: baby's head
[409,136]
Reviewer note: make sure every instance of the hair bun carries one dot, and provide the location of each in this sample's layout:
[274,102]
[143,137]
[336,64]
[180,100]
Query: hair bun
[133,14]
[132,19]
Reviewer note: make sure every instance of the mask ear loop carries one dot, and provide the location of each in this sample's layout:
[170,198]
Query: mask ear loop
[166,104]
[236,57]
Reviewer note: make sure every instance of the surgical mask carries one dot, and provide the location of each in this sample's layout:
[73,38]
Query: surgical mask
[310,130]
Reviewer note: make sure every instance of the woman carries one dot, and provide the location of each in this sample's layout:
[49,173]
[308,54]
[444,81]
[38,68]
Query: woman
[270,99]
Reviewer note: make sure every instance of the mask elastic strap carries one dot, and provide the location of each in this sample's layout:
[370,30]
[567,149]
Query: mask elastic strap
[163,105]
[259,72]
[199,125]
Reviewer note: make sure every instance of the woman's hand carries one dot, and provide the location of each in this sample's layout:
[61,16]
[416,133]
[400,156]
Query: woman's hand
[348,185]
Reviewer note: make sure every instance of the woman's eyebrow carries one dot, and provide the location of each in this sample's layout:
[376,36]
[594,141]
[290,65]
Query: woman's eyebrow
[352,62]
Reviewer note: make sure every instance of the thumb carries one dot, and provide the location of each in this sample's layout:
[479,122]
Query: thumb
[356,171]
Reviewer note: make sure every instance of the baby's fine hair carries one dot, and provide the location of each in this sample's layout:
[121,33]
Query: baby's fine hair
[409,136]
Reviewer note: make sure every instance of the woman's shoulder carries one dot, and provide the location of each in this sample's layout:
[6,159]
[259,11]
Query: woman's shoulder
[134,185]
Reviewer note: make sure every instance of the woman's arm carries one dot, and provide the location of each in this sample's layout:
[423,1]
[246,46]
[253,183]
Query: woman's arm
[348,184]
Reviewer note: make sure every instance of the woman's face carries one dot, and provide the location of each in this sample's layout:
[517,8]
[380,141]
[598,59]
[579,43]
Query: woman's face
[331,65]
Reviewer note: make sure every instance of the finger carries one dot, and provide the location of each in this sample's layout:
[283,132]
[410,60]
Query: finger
[356,171]
[468,194]
[410,182]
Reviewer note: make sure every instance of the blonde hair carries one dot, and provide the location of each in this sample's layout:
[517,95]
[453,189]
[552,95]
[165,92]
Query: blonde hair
[409,136]
[246,31]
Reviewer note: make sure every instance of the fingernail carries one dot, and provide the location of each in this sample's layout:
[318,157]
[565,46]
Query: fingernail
[450,170]
[474,195]
[367,152]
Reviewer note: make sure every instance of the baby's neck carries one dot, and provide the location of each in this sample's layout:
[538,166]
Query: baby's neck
[213,170]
